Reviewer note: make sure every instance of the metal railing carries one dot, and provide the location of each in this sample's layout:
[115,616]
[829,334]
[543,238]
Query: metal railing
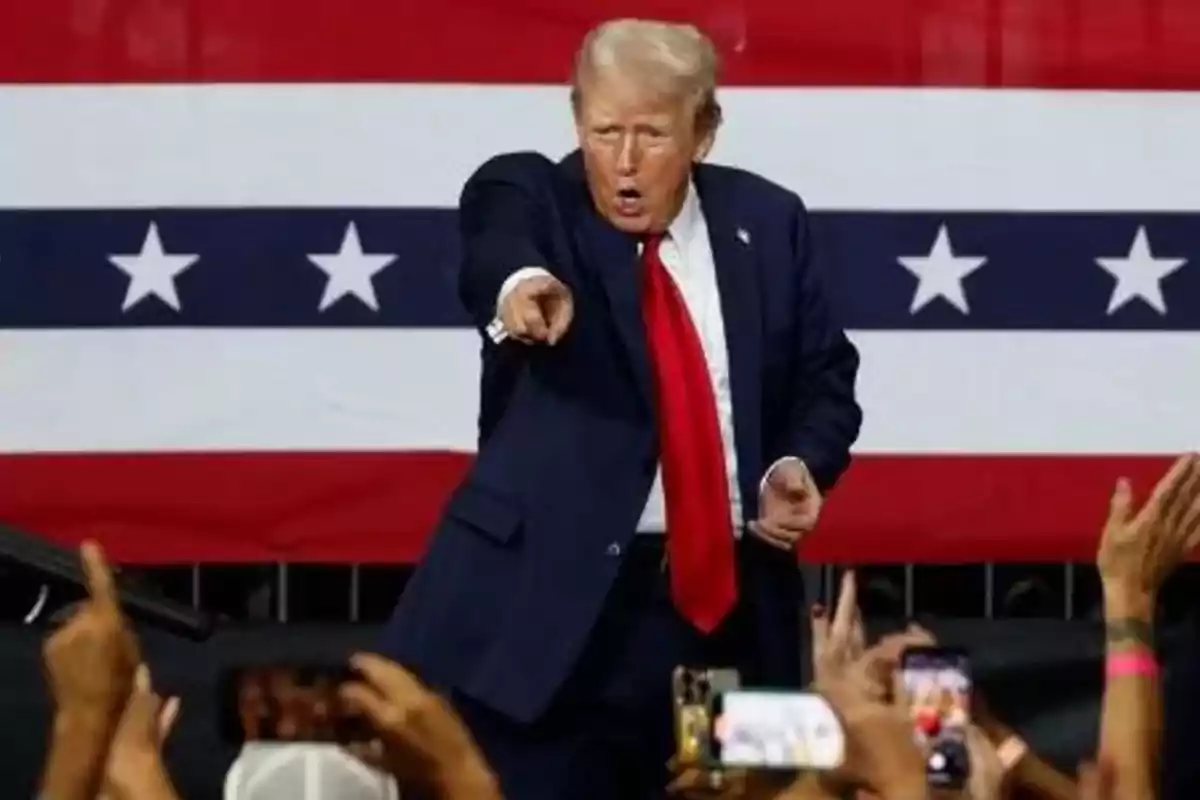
[366,594]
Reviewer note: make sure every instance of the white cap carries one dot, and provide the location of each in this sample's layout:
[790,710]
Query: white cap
[304,771]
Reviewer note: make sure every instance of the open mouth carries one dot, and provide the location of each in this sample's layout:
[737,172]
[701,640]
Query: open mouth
[629,202]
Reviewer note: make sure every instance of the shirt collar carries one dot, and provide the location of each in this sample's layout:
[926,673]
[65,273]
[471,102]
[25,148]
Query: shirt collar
[683,227]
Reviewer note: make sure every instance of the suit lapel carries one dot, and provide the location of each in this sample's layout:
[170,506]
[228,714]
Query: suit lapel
[738,283]
[612,257]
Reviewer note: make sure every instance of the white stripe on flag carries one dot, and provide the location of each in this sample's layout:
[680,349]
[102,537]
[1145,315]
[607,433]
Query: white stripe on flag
[413,145]
[220,390]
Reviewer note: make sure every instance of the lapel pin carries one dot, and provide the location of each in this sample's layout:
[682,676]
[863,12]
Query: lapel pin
[743,235]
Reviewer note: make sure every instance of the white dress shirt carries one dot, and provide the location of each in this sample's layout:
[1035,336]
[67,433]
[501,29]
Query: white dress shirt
[686,252]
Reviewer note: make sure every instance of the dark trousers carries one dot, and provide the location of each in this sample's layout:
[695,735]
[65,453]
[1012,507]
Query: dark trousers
[609,733]
[1181,713]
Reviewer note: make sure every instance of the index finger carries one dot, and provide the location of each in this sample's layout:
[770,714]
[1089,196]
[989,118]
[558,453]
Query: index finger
[847,604]
[385,675]
[560,320]
[1171,482]
[366,701]
[891,648]
[101,586]
[819,624]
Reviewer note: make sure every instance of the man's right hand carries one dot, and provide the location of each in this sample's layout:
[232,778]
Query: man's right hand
[538,309]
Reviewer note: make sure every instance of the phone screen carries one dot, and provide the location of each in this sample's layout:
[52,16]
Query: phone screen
[937,686]
[776,730]
[287,704]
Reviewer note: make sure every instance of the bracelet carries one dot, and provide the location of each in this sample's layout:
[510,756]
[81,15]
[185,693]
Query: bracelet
[1122,665]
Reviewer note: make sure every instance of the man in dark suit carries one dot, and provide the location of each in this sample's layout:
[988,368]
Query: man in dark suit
[666,397]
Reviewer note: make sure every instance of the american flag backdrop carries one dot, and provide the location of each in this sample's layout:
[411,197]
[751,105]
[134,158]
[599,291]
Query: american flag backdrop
[228,321]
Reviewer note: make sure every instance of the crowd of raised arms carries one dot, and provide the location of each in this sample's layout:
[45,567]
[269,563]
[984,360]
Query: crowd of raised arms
[109,725]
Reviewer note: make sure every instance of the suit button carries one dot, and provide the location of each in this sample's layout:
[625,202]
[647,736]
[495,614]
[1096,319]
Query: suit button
[613,550]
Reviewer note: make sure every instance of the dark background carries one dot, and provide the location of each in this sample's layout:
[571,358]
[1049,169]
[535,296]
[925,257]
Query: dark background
[1033,633]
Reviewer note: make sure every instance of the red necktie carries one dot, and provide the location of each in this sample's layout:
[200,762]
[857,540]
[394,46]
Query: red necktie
[699,536]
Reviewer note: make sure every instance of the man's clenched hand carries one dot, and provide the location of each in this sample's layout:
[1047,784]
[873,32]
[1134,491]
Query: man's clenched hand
[789,505]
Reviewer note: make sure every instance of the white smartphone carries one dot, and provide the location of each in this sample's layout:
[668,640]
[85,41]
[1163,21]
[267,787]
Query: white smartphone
[776,730]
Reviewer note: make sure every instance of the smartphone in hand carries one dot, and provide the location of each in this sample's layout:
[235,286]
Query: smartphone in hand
[776,730]
[936,684]
[287,703]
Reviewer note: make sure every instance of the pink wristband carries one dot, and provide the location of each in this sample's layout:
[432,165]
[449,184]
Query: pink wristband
[1125,664]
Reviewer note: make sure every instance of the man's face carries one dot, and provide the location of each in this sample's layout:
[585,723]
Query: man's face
[638,151]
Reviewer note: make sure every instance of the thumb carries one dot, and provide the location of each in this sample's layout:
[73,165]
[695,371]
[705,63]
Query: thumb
[786,478]
[560,318]
[545,286]
[141,680]
[143,704]
[1121,504]
[167,714]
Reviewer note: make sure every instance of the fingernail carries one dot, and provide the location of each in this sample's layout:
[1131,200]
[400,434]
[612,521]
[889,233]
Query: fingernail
[170,711]
[141,678]
[818,610]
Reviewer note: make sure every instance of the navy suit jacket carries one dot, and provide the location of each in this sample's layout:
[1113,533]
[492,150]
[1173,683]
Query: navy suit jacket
[518,570]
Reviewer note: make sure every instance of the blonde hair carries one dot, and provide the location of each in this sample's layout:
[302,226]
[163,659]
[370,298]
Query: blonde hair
[673,59]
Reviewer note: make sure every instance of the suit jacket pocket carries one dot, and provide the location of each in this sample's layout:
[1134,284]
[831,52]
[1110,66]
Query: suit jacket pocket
[485,511]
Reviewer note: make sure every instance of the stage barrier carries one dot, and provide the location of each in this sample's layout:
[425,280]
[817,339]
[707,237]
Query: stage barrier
[334,593]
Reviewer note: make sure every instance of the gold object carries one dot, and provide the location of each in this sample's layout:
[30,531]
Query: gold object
[692,692]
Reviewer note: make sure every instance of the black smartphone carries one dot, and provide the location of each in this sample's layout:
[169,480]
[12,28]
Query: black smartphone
[776,730]
[936,684]
[287,703]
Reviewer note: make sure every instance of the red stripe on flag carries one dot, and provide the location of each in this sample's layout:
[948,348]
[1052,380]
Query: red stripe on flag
[380,508]
[1142,44]
[233,507]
